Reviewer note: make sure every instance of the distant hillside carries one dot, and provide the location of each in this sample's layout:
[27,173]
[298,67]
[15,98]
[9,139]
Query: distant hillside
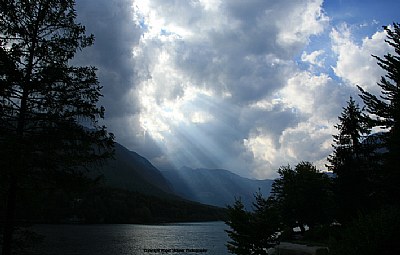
[215,186]
[130,171]
[132,191]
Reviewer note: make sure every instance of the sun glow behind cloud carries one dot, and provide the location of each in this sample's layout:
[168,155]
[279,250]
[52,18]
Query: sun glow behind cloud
[159,117]
[176,125]
[172,108]
[218,84]
[243,85]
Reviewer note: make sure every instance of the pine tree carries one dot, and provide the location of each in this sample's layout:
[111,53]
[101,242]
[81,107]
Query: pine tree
[48,108]
[253,232]
[238,219]
[353,128]
[266,223]
[385,113]
[351,161]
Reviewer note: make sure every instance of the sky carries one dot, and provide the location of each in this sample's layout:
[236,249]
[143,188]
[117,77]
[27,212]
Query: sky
[242,85]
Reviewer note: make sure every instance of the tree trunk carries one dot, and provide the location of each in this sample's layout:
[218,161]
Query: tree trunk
[302,229]
[10,216]
[13,181]
[12,190]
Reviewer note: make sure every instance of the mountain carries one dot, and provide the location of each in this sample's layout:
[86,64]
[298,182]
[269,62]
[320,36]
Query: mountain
[131,190]
[216,187]
[137,192]
[130,171]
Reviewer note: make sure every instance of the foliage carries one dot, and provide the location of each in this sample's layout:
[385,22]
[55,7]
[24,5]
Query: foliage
[239,223]
[352,162]
[348,148]
[374,233]
[374,177]
[386,107]
[266,223]
[385,113]
[303,196]
[44,100]
[252,232]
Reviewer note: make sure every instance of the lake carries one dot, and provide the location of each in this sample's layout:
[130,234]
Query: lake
[178,238]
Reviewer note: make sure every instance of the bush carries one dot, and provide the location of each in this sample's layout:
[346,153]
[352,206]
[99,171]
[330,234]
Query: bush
[371,234]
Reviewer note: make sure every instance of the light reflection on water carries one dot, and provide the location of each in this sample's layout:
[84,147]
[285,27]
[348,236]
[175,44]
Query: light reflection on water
[133,239]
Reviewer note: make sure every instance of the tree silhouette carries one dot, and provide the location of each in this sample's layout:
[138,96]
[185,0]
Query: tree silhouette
[239,223]
[48,108]
[302,195]
[252,232]
[352,161]
[385,113]
[353,127]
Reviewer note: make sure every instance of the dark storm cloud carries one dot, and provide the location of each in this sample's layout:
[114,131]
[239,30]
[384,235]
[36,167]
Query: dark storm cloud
[111,21]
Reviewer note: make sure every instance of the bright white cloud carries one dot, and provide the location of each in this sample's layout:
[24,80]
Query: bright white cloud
[311,99]
[264,151]
[302,90]
[355,63]
[310,140]
[210,5]
[306,19]
[307,141]
[314,58]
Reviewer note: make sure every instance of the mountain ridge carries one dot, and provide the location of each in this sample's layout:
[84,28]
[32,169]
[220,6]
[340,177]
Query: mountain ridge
[218,187]
[130,171]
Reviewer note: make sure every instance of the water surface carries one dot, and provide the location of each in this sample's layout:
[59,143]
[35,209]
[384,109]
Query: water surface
[183,238]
